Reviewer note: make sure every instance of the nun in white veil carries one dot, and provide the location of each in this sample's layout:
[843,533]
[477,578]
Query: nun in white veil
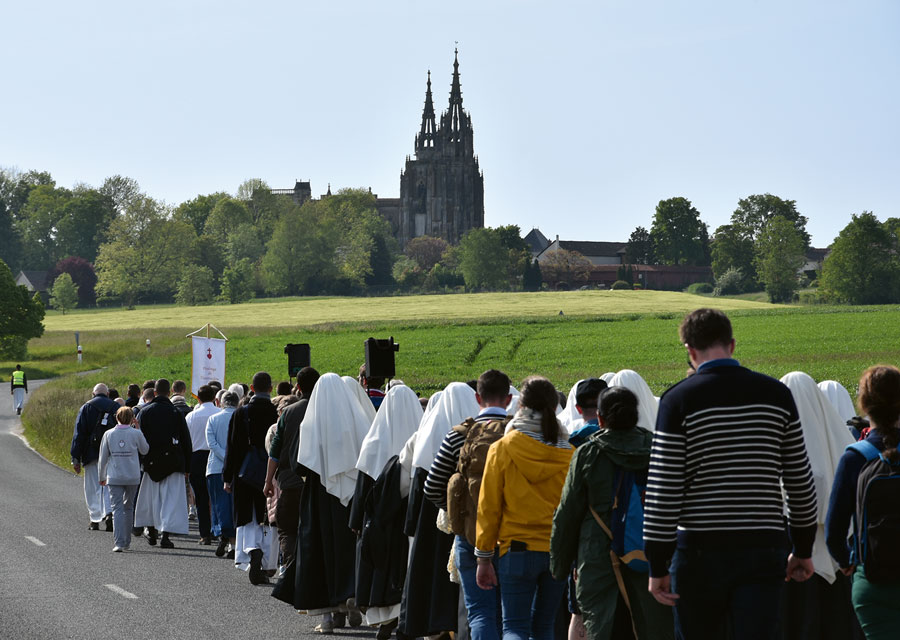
[569,417]
[361,396]
[330,438]
[397,420]
[839,398]
[648,404]
[823,602]
[430,600]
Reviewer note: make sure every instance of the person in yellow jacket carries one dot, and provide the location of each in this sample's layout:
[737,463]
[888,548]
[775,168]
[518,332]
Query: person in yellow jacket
[520,490]
[18,388]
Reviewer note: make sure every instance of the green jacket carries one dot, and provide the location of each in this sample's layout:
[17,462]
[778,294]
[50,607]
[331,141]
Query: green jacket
[576,535]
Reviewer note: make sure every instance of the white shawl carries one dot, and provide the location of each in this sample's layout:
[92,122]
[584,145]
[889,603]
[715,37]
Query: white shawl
[456,403]
[569,417]
[331,435]
[648,404]
[839,398]
[397,419]
[826,436]
[361,396]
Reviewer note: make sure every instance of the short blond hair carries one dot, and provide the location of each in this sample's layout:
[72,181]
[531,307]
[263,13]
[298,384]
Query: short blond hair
[124,415]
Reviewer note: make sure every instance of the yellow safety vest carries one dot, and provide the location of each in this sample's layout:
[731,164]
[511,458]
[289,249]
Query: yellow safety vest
[18,378]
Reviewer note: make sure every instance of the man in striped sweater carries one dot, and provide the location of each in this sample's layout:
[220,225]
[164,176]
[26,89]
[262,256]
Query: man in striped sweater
[727,440]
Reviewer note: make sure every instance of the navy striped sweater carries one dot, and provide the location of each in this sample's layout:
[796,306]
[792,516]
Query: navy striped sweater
[727,439]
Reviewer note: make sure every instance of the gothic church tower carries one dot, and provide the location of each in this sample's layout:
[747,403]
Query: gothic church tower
[442,188]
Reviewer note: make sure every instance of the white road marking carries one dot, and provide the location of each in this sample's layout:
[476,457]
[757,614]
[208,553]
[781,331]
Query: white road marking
[35,541]
[119,590]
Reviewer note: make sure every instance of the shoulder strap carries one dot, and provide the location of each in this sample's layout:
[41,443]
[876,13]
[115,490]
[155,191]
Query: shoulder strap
[617,568]
[463,427]
[865,448]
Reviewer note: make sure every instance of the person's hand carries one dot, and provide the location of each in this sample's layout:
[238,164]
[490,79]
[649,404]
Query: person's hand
[77,467]
[798,569]
[848,571]
[269,489]
[575,575]
[103,483]
[661,590]
[227,487]
[485,576]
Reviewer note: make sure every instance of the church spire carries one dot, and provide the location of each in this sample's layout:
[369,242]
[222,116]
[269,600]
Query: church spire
[456,121]
[425,139]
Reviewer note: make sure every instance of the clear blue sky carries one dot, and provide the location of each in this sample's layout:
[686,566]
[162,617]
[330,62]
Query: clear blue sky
[586,114]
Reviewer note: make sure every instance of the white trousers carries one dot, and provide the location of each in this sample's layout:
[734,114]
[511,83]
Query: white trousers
[18,397]
[96,497]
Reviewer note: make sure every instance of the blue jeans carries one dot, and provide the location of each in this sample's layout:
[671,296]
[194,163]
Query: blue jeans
[721,589]
[221,503]
[482,605]
[530,595]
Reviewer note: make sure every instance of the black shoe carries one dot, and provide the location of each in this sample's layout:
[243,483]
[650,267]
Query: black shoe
[256,576]
[222,548]
[205,541]
[340,619]
[109,522]
[19,411]
[165,543]
[230,555]
[94,526]
[386,630]
[151,536]
[137,532]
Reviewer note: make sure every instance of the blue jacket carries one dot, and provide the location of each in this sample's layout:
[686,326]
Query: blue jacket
[217,439]
[84,449]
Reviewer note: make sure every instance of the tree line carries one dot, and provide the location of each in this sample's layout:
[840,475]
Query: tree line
[114,244]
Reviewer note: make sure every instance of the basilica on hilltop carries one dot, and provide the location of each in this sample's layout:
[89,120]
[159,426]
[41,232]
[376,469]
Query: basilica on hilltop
[441,185]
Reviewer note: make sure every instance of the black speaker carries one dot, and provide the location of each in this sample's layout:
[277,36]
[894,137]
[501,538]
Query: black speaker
[298,357]
[380,357]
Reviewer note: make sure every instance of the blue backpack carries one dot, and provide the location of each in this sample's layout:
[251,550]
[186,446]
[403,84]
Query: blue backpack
[626,530]
[877,526]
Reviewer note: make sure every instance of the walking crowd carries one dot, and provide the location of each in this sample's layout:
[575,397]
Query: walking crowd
[734,506]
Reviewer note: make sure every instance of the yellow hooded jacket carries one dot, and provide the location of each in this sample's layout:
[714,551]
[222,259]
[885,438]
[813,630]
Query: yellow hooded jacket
[520,490]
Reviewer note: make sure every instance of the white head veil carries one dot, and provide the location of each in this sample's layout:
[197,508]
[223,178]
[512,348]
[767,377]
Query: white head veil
[569,417]
[839,398]
[609,375]
[397,419]
[513,405]
[456,403]
[826,436]
[361,396]
[331,435]
[648,404]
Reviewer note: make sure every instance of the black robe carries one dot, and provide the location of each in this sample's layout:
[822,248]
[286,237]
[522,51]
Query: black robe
[382,551]
[258,414]
[322,575]
[430,600]
[816,610]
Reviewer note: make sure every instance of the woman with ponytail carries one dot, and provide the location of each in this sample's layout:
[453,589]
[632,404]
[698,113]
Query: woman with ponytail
[520,490]
[876,602]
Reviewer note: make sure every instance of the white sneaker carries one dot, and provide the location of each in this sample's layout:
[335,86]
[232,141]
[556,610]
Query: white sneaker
[118,549]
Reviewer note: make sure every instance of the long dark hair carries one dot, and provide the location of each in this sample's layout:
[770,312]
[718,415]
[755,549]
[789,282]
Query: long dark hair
[539,394]
[879,398]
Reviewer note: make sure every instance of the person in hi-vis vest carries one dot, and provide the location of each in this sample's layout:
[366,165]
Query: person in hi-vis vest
[18,388]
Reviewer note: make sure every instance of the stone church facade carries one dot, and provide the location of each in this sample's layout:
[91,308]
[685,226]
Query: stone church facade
[441,187]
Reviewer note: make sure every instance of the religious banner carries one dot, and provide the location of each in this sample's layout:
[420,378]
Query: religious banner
[207,361]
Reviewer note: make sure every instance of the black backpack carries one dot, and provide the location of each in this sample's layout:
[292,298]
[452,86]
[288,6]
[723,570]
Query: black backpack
[878,519]
[105,422]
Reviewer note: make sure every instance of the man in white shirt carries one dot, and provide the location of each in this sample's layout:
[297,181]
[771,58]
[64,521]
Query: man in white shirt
[196,422]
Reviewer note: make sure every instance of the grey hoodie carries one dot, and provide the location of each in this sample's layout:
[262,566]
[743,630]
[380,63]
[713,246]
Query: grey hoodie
[119,461]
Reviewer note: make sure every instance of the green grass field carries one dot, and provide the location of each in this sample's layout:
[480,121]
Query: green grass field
[465,336]
[304,312]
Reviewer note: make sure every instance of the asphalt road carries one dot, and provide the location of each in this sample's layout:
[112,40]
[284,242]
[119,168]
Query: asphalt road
[60,580]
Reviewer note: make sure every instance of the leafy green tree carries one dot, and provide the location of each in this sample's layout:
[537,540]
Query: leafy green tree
[533,278]
[122,191]
[483,259]
[195,286]
[244,242]
[237,282]
[862,267]
[779,255]
[64,293]
[21,316]
[407,273]
[197,211]
[733,248]
[300,256]
[84,224]
[146,254]
[225,218]
[264,207]
[640,247]
[754,212]
[37,225]
[679,236]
